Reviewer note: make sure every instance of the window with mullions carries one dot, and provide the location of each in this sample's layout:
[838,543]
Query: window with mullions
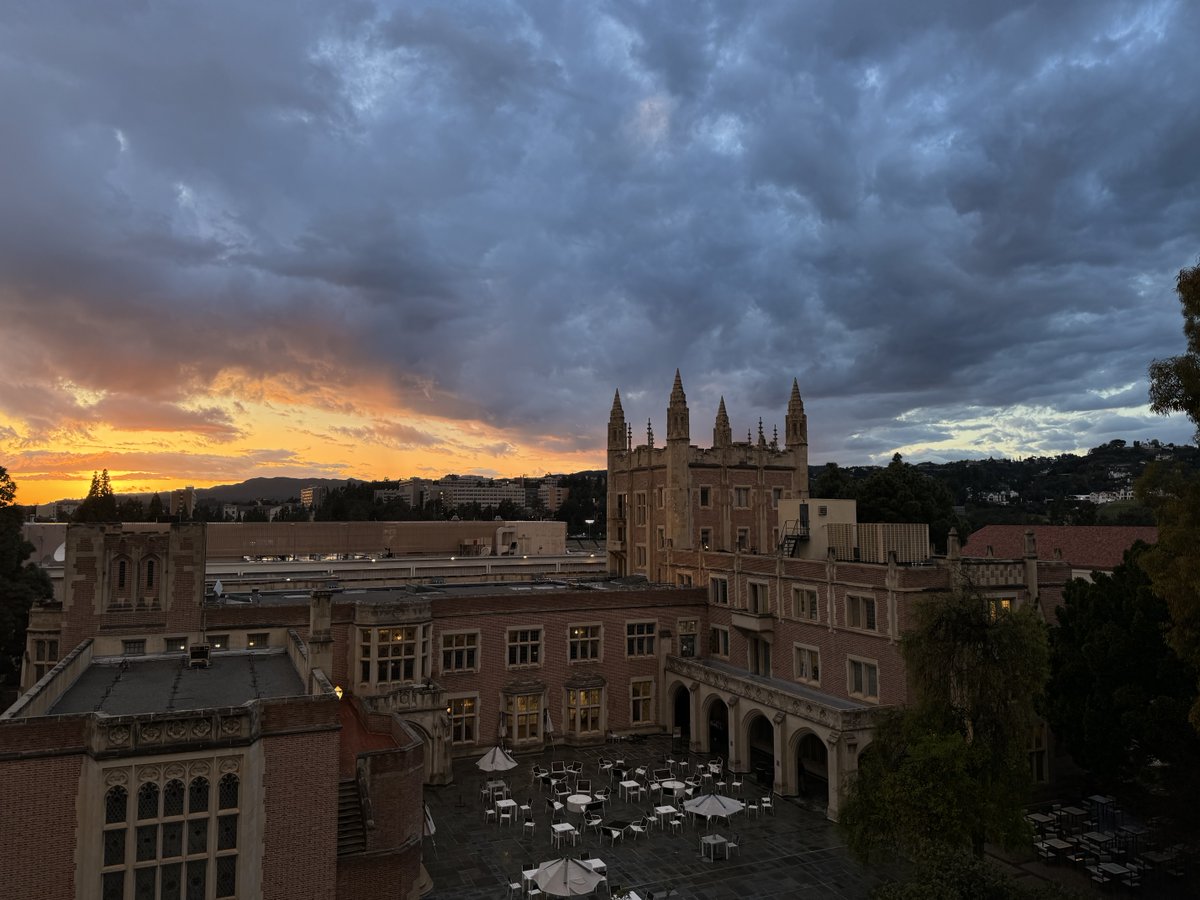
[718,591]
[860,612]
[804,603]
[171,841]
[583,710]
[639,638]
[583,642]
[641,706]
[45,657]
[388,654]
[524,712]
[460,651]
[524,647]
[464,720]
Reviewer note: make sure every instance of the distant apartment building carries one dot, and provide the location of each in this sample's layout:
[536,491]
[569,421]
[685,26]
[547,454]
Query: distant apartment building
[456,490]
[313,495]
[183,502]
[551,495]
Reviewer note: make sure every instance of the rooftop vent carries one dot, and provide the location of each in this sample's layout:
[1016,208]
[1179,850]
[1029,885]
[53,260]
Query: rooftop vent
[199,656]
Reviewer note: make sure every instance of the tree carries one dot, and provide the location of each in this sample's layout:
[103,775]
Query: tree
[951,769]
[21,583]
[899,493]
[1174,563]
[154,509]
[1118,695]
[942,874]
[99,505]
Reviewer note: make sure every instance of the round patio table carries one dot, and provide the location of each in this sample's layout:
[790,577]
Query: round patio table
[675,787]
[577,803]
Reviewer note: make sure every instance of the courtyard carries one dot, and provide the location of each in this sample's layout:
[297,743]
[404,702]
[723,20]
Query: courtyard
[789,851]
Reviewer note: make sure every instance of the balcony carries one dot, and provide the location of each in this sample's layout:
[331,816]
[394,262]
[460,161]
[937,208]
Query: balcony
[753,622]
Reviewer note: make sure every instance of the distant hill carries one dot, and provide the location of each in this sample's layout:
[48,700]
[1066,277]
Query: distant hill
[265,489]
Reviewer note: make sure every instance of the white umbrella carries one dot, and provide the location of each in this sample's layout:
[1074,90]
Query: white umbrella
[566,878]
[709,805]
[548,723]
[496,760]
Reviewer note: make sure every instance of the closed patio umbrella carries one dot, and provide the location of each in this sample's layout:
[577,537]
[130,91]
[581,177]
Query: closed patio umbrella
[496,760]
[566,878]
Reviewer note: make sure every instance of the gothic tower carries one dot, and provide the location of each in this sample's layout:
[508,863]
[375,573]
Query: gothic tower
[678,530]
[795,434]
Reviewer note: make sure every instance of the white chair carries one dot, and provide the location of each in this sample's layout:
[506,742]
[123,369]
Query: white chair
[593,822]
[767,806]
[527,827]
[506,815]
[638,827]
[752,807]
[736,784]
[526,809]
[732,845]
[489,815]
[677,824]
[515,889]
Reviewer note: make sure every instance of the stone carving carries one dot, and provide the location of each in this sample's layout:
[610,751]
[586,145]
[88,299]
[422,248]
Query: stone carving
[230,764]
[231,727]
[116,776]
[200,768]
[148,773]
[176,730]
[151,733]
[118,736]
[175,771]
[201,728]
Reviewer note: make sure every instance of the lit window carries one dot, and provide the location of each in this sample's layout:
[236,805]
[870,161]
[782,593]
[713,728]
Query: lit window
[524,713]
[464,720]
[258,640]
[392,658]
[583,711]
[641,706]
[583,642]
[175,644]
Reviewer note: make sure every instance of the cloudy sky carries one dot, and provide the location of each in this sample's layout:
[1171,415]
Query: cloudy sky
[389,239]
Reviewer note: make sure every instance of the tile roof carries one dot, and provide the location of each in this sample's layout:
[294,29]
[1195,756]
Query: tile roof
[1083,546]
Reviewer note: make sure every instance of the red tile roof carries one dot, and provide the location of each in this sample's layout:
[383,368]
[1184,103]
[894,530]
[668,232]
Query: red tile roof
[1083,546]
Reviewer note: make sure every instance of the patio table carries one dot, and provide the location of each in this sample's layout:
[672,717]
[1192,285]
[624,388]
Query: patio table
[1040,818]
[627,786]
[596,865]
[1073,811]
[1058,844]
[1100,838]
[506,803]
[675,787]
[709,844]
[615,828]
[577,803]
[1114,869]
[663,811]
[564,830]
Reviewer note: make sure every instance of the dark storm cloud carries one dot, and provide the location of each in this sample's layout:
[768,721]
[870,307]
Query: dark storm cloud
[503,211]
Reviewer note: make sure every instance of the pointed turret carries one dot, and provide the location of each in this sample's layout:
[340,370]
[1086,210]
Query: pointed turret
[649,434]
[722,432]
[795,425]
[616,426]
[679,426]
[762,438]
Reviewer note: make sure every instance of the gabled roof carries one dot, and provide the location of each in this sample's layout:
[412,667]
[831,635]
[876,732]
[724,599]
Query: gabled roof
[1082,546]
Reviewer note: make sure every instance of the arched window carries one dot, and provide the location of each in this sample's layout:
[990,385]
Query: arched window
[173,798]
[121,574]
[150,575]
[148,801]
[116,805]
[198,795]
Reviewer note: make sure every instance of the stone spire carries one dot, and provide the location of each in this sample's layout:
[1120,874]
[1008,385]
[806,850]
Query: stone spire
[722,432]
[616,426]
[795,425]
[678,422]
[762,438]
[649,434]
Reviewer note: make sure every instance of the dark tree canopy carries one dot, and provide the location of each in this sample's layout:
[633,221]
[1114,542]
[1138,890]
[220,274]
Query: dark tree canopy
[21,583]
[1174,494]
[951,769]
[100,504]
[1118,695]
[900,493]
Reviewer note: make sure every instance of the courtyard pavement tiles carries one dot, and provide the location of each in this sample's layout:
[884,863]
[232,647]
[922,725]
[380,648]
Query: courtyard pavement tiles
[795,853]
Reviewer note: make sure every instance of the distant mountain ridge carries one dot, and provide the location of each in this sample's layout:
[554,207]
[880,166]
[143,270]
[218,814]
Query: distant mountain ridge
[267,489]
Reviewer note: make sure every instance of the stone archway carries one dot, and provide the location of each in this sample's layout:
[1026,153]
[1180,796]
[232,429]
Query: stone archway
[717,727]
[812,769]
[760,749]
[681,714]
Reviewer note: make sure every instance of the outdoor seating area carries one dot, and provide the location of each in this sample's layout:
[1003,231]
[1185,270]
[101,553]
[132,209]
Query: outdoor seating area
[642,823]
[1109,847]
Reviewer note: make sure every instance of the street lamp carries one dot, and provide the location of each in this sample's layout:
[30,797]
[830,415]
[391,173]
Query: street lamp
[590,523]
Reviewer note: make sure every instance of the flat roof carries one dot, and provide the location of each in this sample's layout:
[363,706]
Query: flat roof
[127,686]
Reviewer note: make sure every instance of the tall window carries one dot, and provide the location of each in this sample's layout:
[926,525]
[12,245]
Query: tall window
[705,538]
[757,598]
[639,638]
[776,496]
[583,710]
[641,707]
[808,664]
[175,839]
[864,679]
[660,497]
[743,538]
[45,656]
[718,641]
[464,720]
[688,628]
[390,654]
[460,651]
[758,656]
[718,591]
[524,716]
[639,500]
[641,555]
[860,612]
[741,497]
[804,603]
[705,496]
[524,647]
[150,575]
[583,642]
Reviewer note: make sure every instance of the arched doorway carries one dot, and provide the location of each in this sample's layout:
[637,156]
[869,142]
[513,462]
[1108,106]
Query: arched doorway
[681,718]
[812,769]
[718,728]
[760,738]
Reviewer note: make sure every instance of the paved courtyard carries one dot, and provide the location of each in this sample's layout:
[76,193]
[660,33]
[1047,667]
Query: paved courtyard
[793,853]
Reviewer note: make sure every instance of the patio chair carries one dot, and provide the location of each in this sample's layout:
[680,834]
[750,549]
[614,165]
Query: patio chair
[558,767]
[732,845]
[583,785]
[736,783]
[528,827]
[752,807]
[767,805]
[515,889]
[489,814]
[506,815]
[638,827]
[602,795]
[593,822]
[526,808]
[677,824]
